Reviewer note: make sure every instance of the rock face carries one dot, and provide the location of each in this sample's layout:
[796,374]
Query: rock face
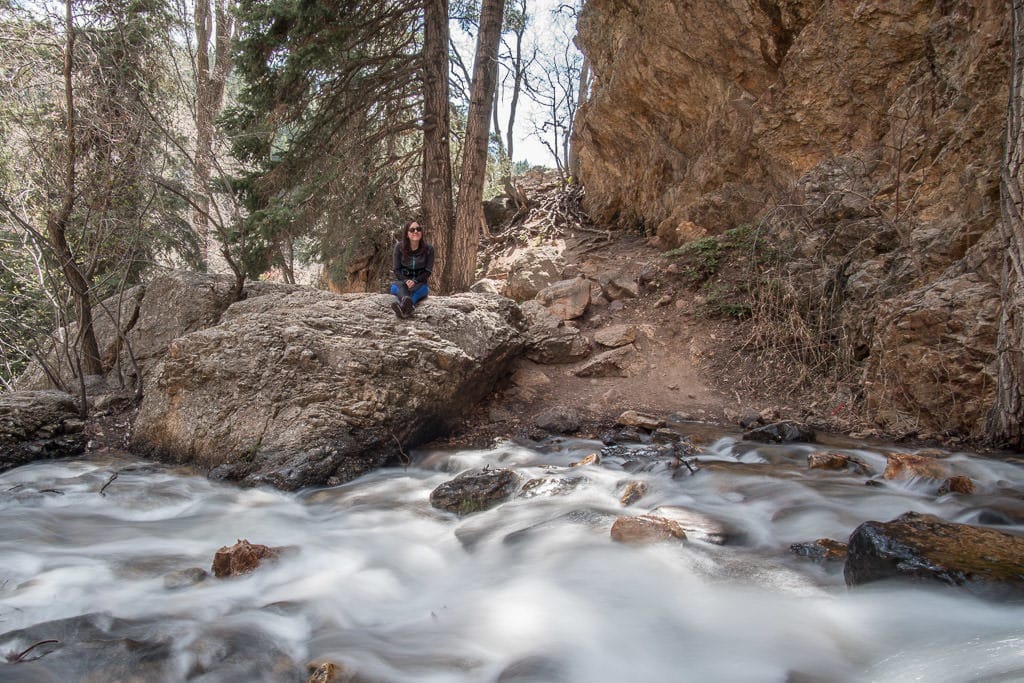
[920,546]
[303,387]
[863,137]
[38,424]
[147,318]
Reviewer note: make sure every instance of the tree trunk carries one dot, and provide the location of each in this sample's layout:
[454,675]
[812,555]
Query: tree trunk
[57,222]
[1006,419]
[209,100]
[437,164]
[469,208]
[518,73]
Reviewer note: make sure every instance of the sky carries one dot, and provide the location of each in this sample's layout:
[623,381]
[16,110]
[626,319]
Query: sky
[527,146]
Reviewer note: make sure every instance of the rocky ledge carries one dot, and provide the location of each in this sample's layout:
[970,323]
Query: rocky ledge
[38,424]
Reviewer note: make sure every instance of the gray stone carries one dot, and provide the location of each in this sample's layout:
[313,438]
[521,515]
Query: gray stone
[531,270]
[475,491]
[615,336]
[300,388]
[567,299]
[614,363]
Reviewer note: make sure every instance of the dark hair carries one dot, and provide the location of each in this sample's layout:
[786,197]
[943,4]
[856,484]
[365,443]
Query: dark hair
[406,245]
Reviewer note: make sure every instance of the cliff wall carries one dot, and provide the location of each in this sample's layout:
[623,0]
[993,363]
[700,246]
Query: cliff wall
[867,135]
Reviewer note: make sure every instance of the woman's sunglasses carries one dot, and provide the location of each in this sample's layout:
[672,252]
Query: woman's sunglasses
[415,229]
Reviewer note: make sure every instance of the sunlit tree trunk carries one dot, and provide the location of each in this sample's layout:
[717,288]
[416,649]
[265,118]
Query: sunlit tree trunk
[1006,420]
[469,209]
[437,165]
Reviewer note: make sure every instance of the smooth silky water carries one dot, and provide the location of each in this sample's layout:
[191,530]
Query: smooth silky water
[377,580]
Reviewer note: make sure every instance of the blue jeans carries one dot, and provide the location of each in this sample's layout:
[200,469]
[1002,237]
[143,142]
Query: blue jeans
[401,291]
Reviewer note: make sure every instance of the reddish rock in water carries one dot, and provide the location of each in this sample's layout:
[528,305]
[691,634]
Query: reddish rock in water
[646,529]
[957,484]
[830,460]
[822,550]
[241,558]
[907,465]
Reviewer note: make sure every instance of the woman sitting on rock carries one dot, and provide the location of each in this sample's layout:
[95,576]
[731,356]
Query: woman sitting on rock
[411,261]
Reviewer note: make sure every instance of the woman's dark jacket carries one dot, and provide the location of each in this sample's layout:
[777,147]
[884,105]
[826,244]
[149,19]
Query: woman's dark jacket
[416,265]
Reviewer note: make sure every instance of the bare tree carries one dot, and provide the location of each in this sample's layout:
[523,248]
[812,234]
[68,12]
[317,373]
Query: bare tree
[555,88]
[1006,419]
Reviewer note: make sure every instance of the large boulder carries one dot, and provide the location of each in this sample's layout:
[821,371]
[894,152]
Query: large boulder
[550,339]
[38,424]
[305,387]
[916,546]
[531,269]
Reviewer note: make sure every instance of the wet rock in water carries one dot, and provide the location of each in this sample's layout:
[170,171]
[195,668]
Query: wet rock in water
[38,425]
[241,558]
[908,465]
[830,460]
[475,491]
[666,435]
[185,577]
[634,491]
[591,519]
[533,669]
[559,420]
[644,529]
[958,484]
[781,432]
[551,486]
[821,550]
[591,459]
[925,547]
[108,648]
[697,525]
[325,672]
[632,418]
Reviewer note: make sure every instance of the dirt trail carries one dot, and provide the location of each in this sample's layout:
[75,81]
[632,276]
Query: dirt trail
[666,374]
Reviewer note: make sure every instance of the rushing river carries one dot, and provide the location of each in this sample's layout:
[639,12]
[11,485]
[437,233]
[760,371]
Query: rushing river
[533,590]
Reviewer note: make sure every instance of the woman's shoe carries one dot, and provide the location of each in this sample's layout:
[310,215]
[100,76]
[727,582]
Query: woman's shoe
[407,307]
[399,310]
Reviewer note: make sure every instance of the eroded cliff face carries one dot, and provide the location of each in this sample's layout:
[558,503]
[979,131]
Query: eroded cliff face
[866,134]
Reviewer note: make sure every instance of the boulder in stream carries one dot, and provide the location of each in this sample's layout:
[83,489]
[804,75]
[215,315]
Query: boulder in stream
[924,547]
[475,490]
[302,387]
[241,558]
[644,529]
[781,432]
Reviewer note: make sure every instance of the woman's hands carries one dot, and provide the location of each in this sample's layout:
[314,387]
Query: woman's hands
[410,283]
